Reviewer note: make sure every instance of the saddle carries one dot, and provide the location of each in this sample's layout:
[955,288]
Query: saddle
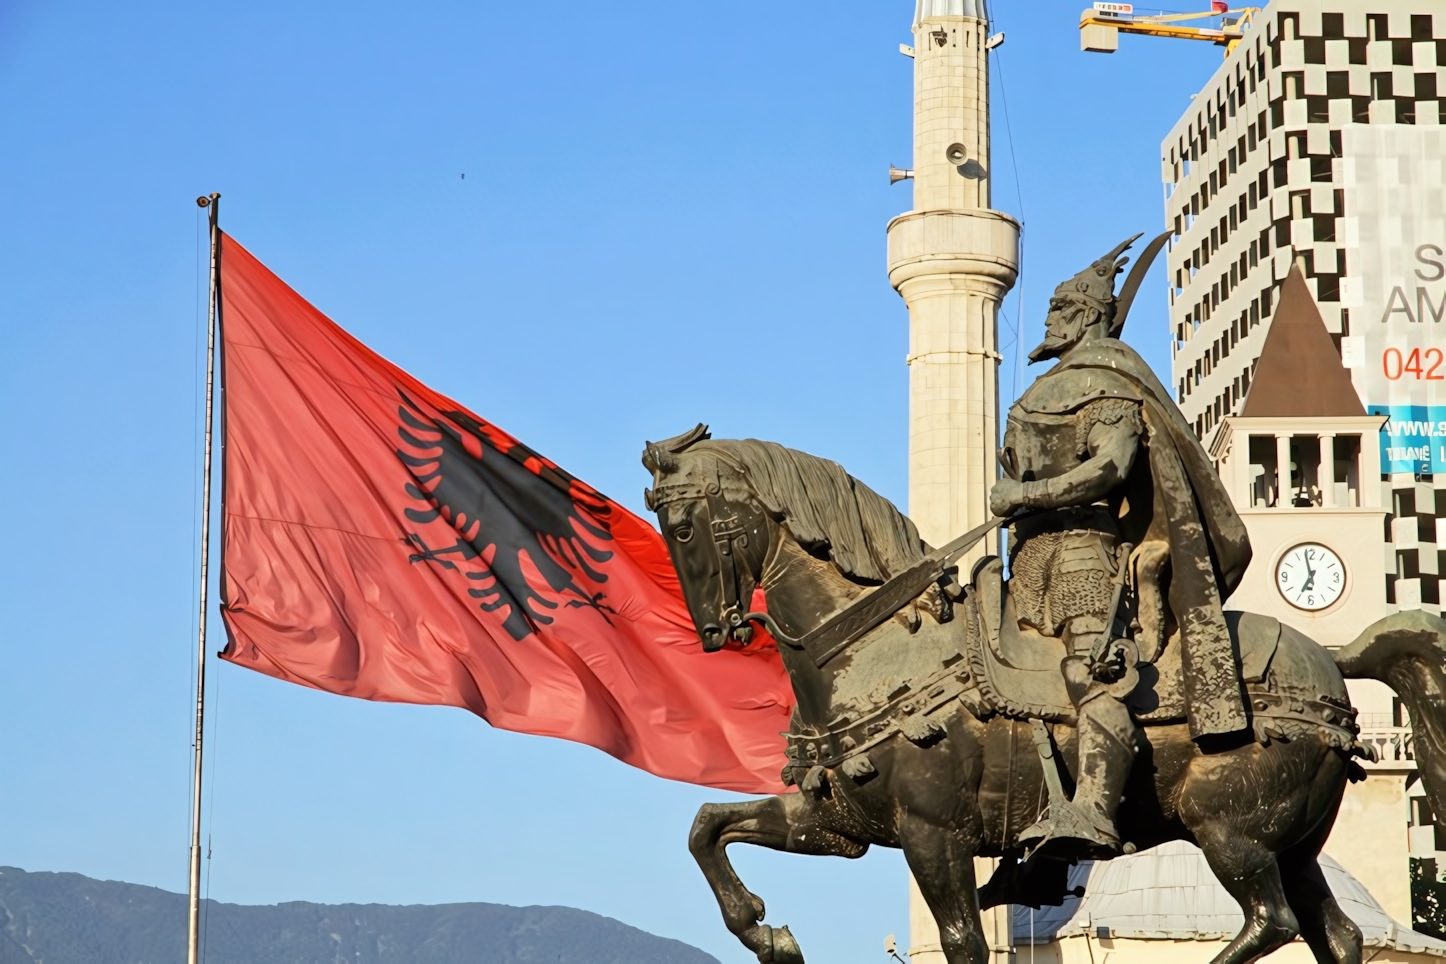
[1015,669]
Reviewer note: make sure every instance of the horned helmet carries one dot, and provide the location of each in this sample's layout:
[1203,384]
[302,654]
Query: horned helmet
[1084,300]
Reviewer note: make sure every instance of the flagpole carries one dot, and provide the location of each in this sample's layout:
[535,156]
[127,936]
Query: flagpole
[194,927]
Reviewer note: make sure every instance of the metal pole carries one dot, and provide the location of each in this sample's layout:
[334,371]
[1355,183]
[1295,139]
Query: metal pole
[194,928]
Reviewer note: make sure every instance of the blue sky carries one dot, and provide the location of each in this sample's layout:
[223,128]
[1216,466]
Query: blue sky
[671,213]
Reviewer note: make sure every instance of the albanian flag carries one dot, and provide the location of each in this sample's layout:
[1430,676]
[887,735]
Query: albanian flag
[381,541]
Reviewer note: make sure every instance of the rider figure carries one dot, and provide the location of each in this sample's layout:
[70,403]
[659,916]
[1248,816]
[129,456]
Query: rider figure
[1066,465]
[1079,451]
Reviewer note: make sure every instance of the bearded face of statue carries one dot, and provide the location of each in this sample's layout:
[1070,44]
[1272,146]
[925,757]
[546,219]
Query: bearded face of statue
[1067,324]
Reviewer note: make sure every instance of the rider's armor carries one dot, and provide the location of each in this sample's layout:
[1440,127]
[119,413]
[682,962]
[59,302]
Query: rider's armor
[1062,561]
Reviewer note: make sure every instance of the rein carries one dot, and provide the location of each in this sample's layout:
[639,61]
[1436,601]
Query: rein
[845,627]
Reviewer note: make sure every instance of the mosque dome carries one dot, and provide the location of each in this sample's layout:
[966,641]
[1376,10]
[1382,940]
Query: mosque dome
[1169,893]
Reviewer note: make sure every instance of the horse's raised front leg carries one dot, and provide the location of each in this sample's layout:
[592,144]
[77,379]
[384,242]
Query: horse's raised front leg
[779,823]
[943,866]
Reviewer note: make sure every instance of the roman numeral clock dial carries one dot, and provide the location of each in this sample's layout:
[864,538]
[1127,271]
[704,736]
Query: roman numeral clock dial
[1310,576]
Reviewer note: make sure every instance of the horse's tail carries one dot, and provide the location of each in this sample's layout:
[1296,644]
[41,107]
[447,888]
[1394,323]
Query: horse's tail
[1407,652]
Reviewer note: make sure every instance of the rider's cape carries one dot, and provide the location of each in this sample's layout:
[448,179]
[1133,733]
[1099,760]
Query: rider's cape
[1191,510]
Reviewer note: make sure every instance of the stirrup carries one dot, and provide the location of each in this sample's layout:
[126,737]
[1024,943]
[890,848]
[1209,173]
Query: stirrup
[1070,831]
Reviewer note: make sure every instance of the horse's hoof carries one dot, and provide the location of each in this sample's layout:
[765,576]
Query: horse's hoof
[783,948]
[759,911]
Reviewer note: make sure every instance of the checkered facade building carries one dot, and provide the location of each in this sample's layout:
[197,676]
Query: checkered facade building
[1253,182]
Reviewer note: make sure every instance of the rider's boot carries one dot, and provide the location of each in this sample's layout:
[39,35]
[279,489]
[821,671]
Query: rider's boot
[1106,756]
[1085,825]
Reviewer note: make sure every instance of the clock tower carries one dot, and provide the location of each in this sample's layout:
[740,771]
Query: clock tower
[1302,462]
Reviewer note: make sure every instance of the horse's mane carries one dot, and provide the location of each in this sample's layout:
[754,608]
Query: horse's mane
[827,510]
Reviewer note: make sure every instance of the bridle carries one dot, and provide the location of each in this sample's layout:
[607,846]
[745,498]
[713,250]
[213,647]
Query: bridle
[729,535]
[836,634]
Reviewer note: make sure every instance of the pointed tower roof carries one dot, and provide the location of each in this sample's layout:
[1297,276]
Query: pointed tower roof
[1299,373]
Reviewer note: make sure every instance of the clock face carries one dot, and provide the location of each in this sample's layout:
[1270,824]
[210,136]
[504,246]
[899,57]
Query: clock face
[1310,576]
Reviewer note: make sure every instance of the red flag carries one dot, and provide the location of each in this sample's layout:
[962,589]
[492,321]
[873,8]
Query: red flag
[1219,6]
[383,542]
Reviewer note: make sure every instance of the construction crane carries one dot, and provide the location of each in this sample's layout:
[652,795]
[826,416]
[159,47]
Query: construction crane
[1101,25]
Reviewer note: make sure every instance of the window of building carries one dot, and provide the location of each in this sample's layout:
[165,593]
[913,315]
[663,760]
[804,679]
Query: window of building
[1333,26]
[1294,85]
[1338,83]
[1381,86]
[1314,50]
[1378,26]
[1357,49]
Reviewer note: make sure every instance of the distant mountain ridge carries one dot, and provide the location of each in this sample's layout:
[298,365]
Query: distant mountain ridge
[58,918]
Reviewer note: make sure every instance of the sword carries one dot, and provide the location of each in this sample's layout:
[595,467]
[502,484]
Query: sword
[843,628]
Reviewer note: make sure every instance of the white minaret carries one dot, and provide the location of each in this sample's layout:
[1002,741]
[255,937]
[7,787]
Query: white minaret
[953,260]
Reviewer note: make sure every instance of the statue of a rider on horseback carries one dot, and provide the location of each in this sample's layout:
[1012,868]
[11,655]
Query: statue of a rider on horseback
[1086,449]
[951,720]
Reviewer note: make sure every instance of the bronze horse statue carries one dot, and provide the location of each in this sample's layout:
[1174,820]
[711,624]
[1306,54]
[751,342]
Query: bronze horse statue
[885,748]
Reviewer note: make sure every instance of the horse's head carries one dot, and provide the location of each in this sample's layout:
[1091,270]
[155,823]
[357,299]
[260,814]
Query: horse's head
[717,533]
[727,507]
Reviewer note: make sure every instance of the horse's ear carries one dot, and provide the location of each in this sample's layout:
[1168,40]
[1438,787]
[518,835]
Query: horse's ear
[648,499]
[678,443]
[659,460]
[697,433]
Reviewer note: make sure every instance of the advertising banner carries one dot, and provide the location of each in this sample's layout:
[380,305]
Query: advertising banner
[1394,233]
